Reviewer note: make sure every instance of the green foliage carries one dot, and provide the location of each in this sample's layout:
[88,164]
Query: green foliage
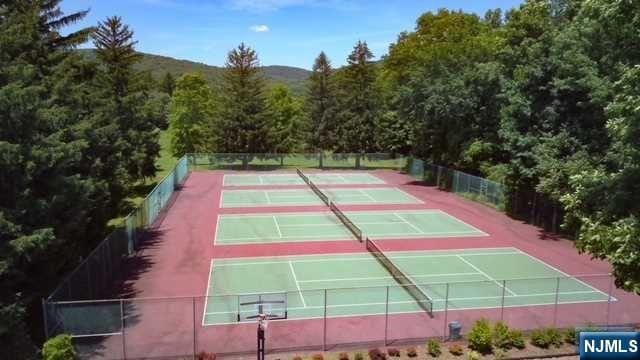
[168,84]
[358,356]
[505,338]
[285,118]
[545,338]
[321,105]
[192,116]
[242,117]
[480,337]
[474,355]
[571,336]
[433,348]
[359,103]
[59,348]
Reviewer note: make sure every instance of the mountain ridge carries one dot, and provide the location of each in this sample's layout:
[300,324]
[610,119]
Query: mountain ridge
[158,65]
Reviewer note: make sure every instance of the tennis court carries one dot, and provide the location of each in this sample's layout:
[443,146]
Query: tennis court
[324,226]
[358,283]
[303,197]
[323,178]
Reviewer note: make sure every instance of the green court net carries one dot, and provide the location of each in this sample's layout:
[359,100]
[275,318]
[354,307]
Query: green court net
[423,300]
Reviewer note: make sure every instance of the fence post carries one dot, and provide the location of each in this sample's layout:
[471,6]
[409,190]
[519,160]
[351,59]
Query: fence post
[555,307]
[122,327]
[386,317]
[504,287]
[324,339]
[195,346]
[44,316]
[609,299]
[320,158]
[446,312]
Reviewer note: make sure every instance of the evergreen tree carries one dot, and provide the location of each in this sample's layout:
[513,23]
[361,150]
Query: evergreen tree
[321,105]
[285,116]
[192,115]
[168,84]
[242,119]
[126,95]
[359,110]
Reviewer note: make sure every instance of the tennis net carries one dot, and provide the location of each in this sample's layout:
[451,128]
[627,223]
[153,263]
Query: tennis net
[423,300]
[346,221]
[313,187]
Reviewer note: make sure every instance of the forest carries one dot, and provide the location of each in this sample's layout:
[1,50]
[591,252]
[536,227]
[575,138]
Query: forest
[543,98]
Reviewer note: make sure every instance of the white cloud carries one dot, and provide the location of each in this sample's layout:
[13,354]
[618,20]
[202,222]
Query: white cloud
[259,28]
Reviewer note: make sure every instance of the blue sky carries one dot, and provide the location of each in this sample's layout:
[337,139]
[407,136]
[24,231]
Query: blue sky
[284,32]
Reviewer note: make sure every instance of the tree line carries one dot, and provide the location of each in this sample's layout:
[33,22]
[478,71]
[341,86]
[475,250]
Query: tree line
[76,137]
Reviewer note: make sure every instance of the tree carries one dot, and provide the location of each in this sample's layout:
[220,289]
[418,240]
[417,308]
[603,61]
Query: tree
[321,105]
[192,116]
[168,84]
[285,119]
[359,110]
[242,119]
[126,95]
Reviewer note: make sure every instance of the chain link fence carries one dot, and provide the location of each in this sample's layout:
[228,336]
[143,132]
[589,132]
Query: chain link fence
[463,184]
[181,327]
[303,160]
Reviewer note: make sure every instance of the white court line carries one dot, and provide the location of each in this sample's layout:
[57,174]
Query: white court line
[208,288]
[565,274]
[277,226]
[367,195]
[485,274]
[260,178]
[411,225]
[266,195]
[364,257]
[387,277]
[295,278]
[215,235]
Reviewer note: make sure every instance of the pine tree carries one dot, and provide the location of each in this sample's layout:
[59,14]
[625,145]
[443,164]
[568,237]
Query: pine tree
[243,122]
[321,105]
[126,97]
[168,84]
[359,103]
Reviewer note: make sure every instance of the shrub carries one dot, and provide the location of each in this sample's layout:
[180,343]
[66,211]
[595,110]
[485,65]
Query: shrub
[376,354]
[456,349]
[433,348]
[480,338]
[501,336]
[343,356]
[358,356]
[474,355]
[59,348]
[203,355]
[317,357]
[499,355]
[570,336]
[411,352]
[517,339]
[544,338]
[393,352]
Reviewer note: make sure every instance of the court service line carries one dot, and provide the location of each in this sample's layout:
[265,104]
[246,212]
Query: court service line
[295,278]
[367,195]
[204,316]
[411,225]
[565,274]
[266,195]
[485,274]
[387,277]
[364,257]
[277,226]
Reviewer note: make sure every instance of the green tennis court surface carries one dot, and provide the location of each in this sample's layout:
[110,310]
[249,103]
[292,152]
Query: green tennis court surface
[294,179]
[301,197]
[475,280]
[320,226]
